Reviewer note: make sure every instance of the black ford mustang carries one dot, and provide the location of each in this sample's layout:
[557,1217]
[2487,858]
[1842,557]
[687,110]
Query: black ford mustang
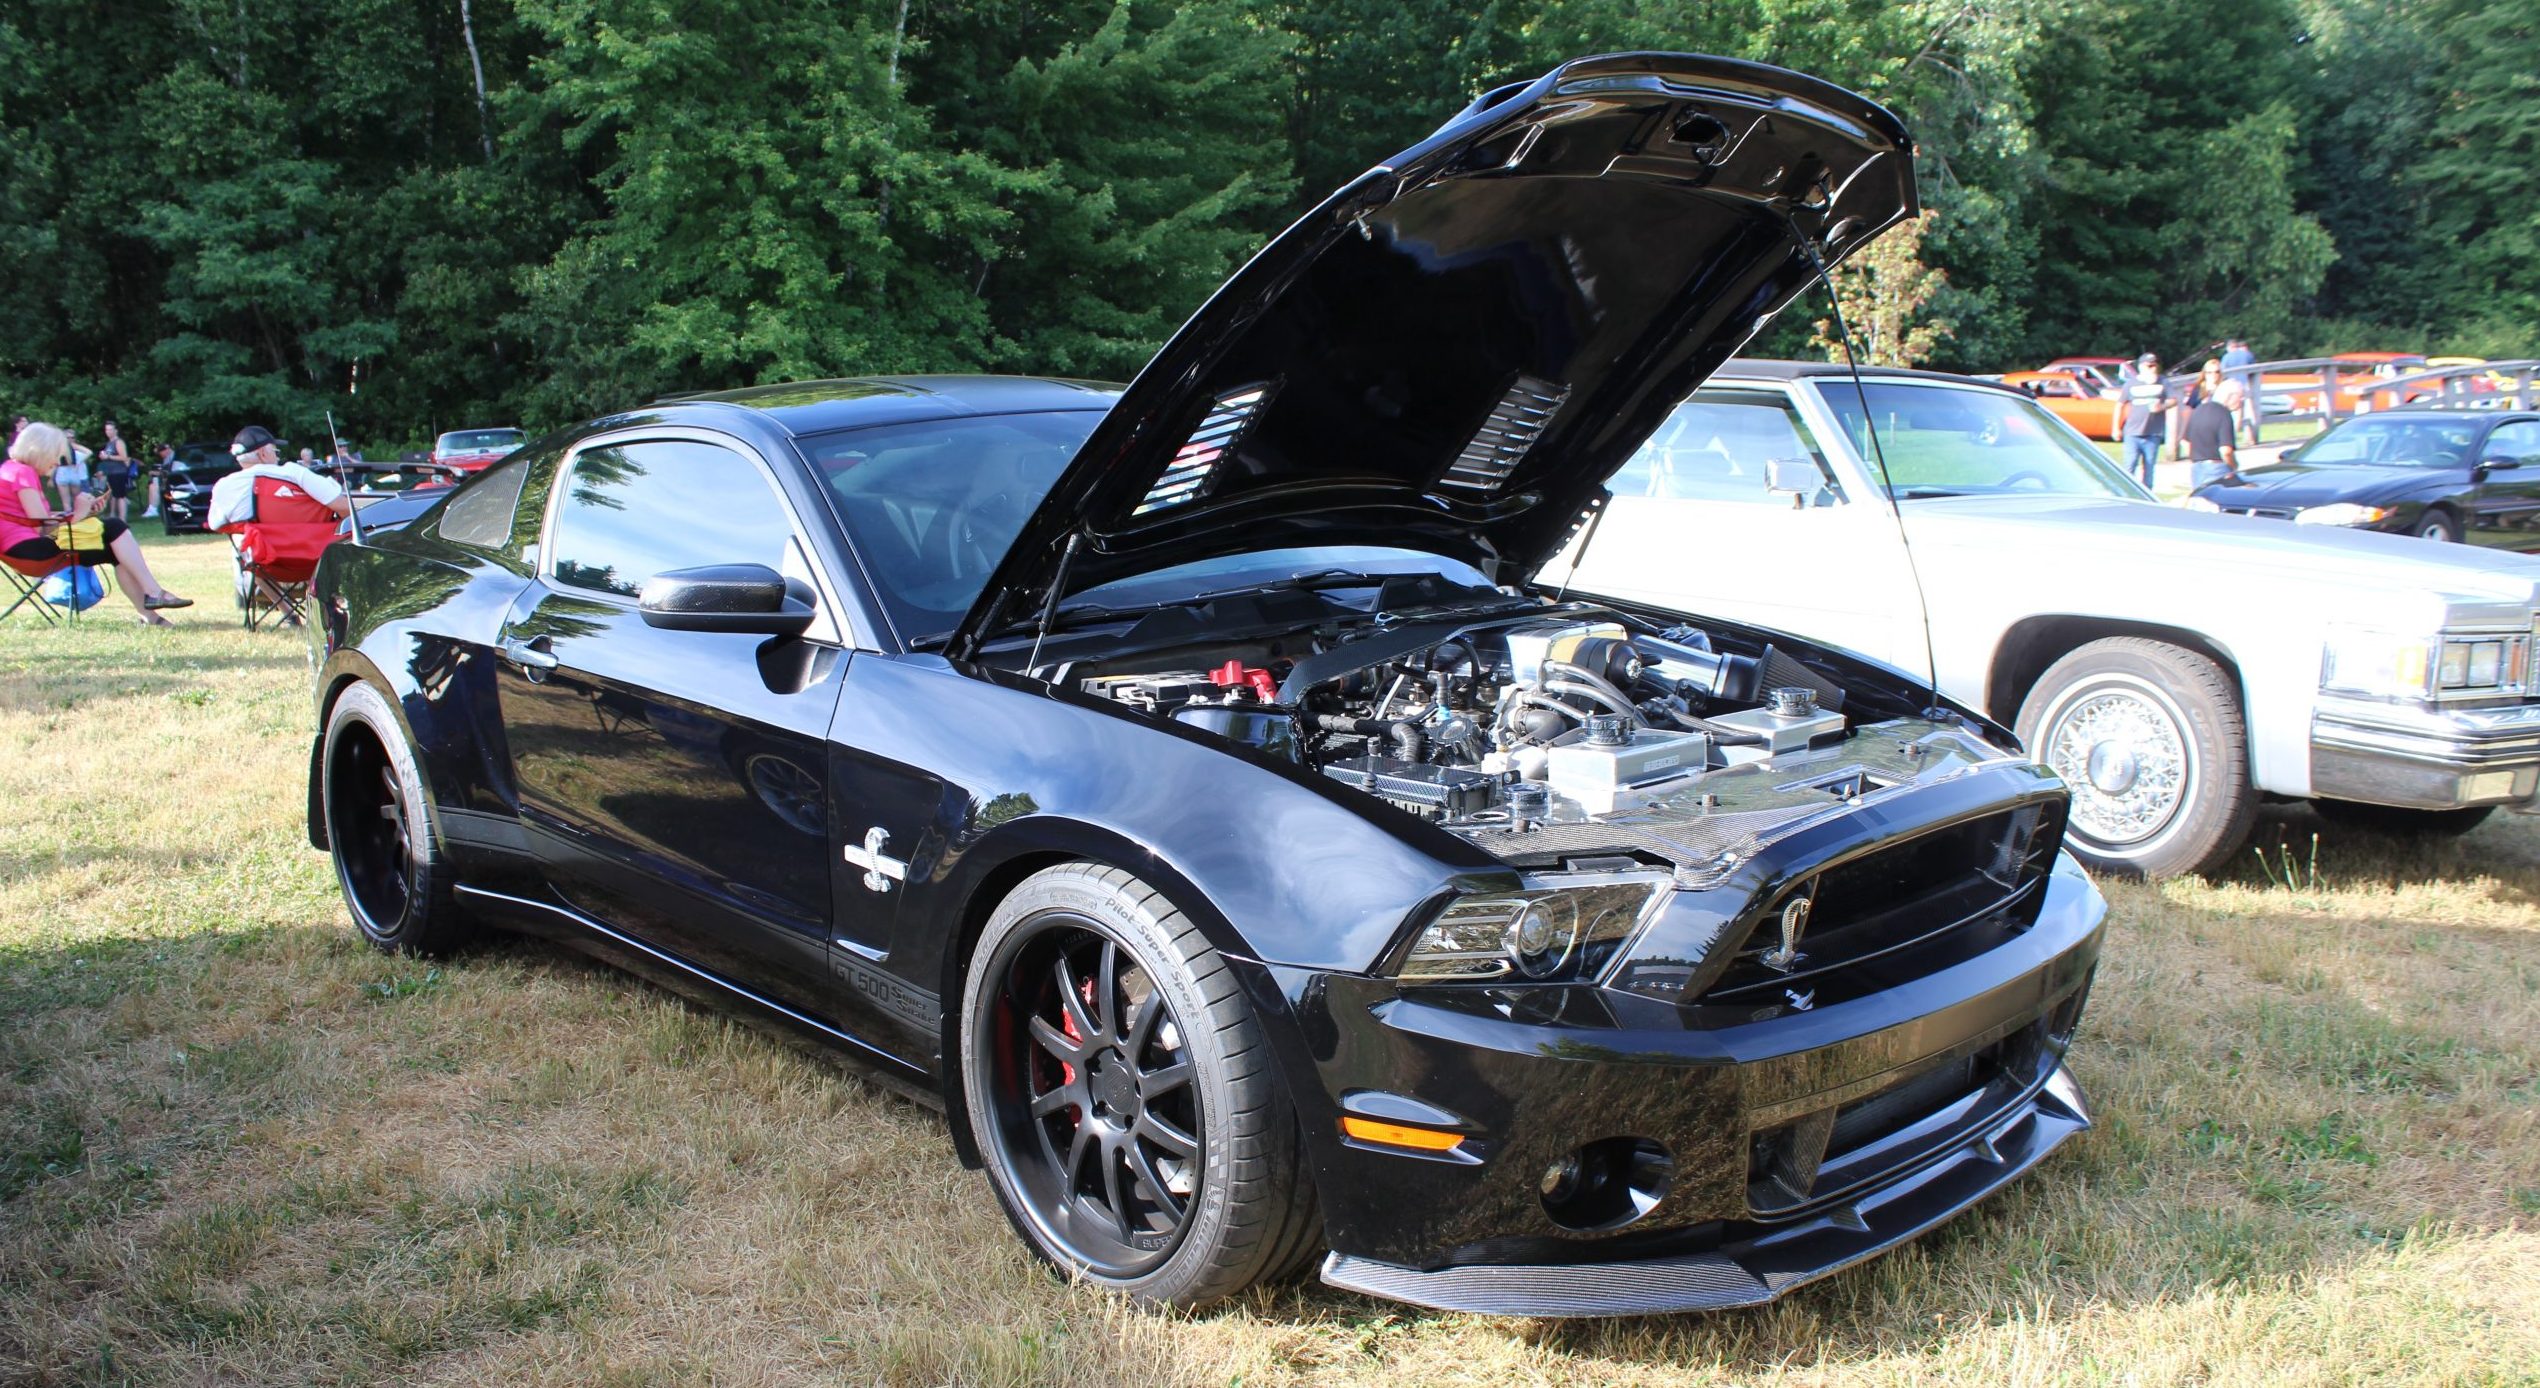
[2443,474]
[1184,785]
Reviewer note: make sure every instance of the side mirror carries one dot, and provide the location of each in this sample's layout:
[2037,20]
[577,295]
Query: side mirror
[2499,462]
[1796,478]
[749,598]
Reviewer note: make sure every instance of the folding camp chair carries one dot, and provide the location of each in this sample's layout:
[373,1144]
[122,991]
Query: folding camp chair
[25,578]
[278,551]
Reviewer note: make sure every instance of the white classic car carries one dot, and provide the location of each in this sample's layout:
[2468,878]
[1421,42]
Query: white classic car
[2175,667]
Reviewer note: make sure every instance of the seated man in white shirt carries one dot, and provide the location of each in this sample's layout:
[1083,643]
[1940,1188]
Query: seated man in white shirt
[258,453]
[234,496]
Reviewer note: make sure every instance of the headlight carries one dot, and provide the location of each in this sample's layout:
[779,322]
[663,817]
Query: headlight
[1561,926]
[2340,513]
[2386,666]
[2198,503]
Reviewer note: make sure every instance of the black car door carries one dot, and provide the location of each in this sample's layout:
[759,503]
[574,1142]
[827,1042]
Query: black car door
[2509,486]
[675,783]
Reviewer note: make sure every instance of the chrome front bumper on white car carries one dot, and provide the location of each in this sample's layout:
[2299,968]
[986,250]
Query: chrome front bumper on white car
[2425,758]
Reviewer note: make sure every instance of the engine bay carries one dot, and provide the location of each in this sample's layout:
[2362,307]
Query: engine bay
[1566,737]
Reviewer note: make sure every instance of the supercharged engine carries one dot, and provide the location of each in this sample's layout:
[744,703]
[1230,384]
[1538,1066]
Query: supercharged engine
[1558,739]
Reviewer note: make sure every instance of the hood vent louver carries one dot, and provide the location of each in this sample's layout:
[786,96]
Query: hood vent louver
[1186,477]
[1512,428]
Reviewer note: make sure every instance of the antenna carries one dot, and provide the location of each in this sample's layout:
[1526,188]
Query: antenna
[334,450]
[1878,455]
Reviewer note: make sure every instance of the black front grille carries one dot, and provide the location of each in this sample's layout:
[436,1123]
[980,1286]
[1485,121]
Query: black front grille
[1896,913]
[1835,1154]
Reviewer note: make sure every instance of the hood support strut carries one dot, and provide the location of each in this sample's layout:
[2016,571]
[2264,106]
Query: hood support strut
[1058,587]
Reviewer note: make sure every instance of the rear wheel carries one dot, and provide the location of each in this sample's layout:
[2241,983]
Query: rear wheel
[2149,738]
[396,880]
[1122,1096]
[2394,819]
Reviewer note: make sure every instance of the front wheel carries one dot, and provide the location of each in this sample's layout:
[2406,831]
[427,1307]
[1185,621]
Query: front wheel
[2439,526]
[2149,738]
[1122,1097]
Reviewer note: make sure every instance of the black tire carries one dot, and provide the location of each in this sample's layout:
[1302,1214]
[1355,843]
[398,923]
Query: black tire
[396,879]
[2149,737]
[1074,1095]
[2401,822]
[2440,526]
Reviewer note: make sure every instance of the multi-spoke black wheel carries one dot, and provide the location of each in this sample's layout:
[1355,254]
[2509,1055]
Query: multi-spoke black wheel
[386,857]
[1118,1088]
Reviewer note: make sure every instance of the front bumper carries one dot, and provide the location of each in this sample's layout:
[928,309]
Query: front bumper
[1752,1270]
[1949,1084]
[2420,758]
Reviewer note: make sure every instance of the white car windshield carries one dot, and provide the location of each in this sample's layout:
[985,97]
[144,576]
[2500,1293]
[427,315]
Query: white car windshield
[1945,440]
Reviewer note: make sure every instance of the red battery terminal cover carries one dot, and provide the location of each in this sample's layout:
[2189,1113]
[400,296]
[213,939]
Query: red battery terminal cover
[1234,674]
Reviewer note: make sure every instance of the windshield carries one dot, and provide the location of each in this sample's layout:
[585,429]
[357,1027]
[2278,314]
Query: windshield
[933,507]
[2392,443]
[479,440]
[1947,440]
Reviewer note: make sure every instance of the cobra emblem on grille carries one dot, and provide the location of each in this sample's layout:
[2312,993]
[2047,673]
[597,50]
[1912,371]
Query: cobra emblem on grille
[1786,955]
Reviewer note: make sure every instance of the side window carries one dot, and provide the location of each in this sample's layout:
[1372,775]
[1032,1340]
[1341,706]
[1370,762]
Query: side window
[630,511]
[1719,448]
[2519,441]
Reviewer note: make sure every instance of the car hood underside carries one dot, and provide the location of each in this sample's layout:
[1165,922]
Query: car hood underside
[1455,351]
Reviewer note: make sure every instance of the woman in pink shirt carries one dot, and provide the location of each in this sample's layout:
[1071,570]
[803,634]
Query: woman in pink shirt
[31,529]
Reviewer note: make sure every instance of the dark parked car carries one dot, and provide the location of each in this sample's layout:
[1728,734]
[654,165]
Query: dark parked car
[185,491]
[1184,786]
[2442,474]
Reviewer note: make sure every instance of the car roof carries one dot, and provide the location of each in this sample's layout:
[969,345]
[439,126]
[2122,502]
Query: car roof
[819,407]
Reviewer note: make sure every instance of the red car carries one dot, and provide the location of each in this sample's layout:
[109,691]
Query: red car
[2106,373]
[470,449]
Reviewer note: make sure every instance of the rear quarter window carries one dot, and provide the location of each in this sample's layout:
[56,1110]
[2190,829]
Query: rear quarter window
[481,512]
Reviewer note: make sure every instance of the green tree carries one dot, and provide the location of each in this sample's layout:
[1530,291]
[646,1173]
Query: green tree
[2476,171]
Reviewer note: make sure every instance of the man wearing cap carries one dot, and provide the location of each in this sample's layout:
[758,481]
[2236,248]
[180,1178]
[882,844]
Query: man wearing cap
[259,453]
[2142,418]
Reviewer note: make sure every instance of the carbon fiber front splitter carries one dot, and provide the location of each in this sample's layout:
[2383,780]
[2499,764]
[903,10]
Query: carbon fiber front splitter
[1754,1268]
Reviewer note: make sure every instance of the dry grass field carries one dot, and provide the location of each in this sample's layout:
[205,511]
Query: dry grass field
[237,1147]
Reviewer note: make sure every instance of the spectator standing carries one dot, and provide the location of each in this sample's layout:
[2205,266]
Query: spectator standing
[2237,360]
[2143,418]
[115,460]
[2198,392]
[2210,433]
[70,471]
[30,529]
[159,469]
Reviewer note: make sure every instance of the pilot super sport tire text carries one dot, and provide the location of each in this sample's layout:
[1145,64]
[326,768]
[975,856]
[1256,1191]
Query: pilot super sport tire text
[396,880]
[2150,739]
[1123,1098]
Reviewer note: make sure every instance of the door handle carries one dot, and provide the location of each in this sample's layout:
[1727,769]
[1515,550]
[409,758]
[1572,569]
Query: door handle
[528,657]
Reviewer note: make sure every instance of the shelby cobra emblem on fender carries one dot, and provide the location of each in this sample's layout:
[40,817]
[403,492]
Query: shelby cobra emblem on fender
[880,869]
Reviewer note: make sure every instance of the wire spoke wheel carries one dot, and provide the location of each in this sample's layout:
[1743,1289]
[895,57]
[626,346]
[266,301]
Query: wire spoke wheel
[2125,753]
[1096,1117]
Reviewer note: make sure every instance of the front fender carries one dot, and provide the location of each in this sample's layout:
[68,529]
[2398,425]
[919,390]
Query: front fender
[1275,862]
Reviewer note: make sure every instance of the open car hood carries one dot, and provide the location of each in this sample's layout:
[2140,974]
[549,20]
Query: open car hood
[1455,351]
